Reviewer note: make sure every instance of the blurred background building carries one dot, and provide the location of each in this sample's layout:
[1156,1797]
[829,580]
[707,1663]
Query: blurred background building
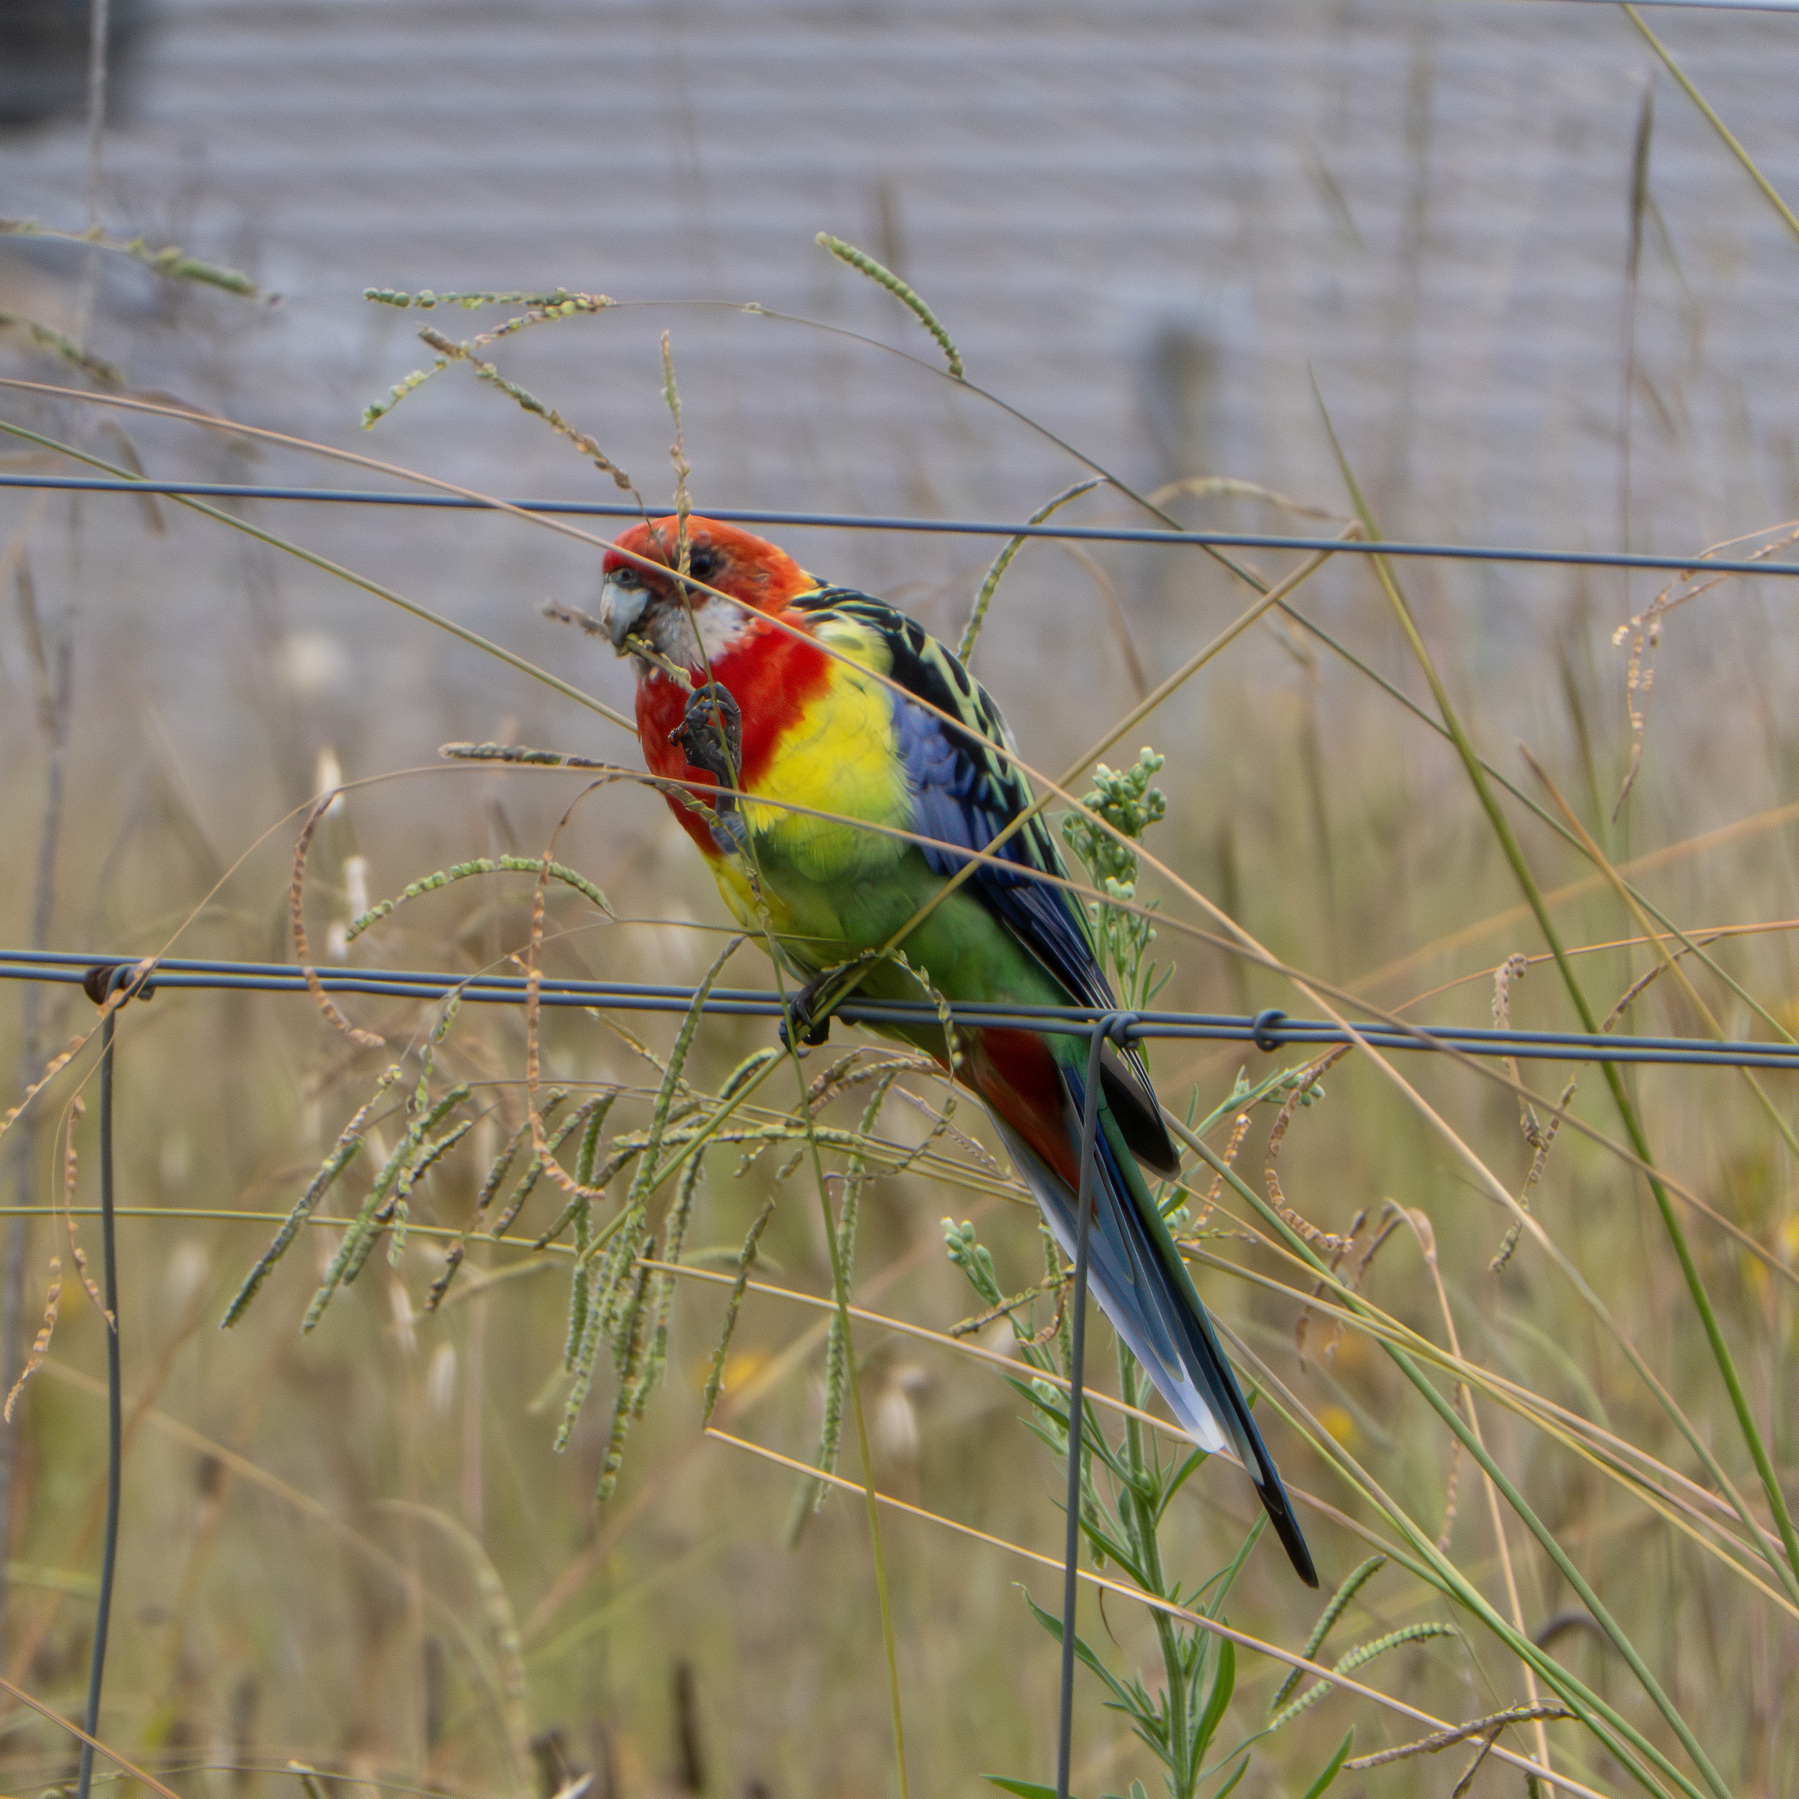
[1150,226]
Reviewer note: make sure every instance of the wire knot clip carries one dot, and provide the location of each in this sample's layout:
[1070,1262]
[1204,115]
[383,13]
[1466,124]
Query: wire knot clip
[107,978]
[1122,1027]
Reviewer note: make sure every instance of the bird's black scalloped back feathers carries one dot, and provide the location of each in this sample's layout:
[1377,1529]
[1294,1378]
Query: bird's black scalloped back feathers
[967,793]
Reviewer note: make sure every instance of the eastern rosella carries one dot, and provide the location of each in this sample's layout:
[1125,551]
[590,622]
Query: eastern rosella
[802,728]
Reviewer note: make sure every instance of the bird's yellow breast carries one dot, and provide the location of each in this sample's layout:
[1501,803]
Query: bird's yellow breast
[834,769]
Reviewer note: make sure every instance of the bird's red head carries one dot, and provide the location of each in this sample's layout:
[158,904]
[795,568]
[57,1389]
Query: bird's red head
[722,630]
[639,600]
[753,571]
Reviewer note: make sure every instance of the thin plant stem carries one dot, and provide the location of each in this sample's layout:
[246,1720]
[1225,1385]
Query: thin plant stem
[1465,1393]
[1077,1367]
[1769,191]
[852,1378]
[1144,1527]
[1514,855]
[99,20]
[977,617]
[53,718]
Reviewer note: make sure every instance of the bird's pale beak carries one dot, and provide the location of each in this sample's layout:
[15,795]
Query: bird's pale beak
[620,609]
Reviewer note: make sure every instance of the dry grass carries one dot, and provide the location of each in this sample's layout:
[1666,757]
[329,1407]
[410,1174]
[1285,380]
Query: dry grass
[357,1548]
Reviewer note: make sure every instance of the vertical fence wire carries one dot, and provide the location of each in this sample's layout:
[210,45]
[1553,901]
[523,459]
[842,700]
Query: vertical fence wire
[1077,1368]
[111,984]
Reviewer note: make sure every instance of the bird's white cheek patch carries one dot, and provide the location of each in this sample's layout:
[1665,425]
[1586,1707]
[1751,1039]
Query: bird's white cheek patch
[698,641]
[720,624]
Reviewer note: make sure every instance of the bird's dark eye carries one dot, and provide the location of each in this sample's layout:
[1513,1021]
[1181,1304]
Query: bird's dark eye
[625,576]
[705,564]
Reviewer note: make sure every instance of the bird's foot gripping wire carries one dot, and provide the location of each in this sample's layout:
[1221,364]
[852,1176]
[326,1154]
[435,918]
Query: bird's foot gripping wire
[710,736]
[799,1026]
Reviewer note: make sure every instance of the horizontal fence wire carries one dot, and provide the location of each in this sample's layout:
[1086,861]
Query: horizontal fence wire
[952,527]
[1268,1030]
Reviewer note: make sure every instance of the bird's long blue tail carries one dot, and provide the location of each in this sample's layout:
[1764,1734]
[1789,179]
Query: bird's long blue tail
[1144,1289]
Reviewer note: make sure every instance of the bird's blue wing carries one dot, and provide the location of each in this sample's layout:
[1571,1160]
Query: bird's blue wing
[966,789]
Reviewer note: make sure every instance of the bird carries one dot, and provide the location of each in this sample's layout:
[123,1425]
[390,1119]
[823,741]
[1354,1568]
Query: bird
[835,765]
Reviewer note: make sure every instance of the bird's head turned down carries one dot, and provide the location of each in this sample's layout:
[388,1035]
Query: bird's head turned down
[641,594]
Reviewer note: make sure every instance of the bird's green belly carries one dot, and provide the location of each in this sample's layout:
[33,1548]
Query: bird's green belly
[822,868]
[960,952]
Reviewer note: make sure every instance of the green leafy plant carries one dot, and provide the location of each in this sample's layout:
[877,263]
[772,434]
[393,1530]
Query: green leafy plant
[1129,1481]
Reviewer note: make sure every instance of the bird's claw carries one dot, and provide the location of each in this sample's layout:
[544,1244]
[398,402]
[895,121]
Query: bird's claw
[710,736]
[800,1024]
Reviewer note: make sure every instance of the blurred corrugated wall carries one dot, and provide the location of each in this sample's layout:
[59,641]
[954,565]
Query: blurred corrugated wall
[1147,224]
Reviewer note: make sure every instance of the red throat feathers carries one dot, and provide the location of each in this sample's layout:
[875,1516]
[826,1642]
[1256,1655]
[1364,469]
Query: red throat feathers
[770,671]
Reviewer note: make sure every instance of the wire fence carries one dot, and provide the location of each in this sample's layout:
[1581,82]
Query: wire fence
[111,980]
[948,527]
[1268,1030]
